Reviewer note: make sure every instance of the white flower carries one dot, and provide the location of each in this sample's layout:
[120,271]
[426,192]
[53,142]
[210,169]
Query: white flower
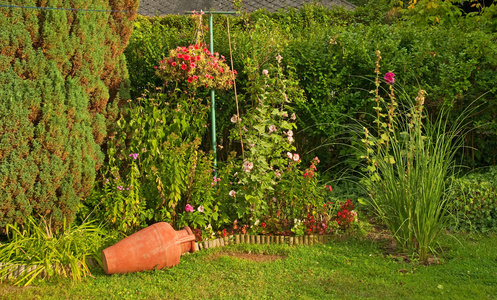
[290,139]
[232,193]
[289,133]
[247,166]
[279,58]
[296,157]
[200,208]
[265,72]
[290,155]
[294,117]
[256,222]
[234,119]
[272,128]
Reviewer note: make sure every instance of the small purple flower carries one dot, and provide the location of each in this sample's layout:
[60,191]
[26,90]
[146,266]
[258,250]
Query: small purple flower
[134,155]
[389,78]
[188,208]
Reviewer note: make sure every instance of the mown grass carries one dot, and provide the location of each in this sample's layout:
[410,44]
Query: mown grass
[355,269]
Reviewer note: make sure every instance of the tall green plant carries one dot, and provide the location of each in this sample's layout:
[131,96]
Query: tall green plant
[410,163]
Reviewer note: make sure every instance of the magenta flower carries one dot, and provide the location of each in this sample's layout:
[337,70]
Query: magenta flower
[134,155]
[188,208]
[389,78]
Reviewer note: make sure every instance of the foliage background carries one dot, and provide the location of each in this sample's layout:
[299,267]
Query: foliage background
[332,52]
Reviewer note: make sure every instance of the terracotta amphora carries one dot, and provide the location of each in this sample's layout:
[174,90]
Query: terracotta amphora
[156,247]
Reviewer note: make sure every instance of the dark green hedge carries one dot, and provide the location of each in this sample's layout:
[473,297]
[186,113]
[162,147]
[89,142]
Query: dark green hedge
[333,54]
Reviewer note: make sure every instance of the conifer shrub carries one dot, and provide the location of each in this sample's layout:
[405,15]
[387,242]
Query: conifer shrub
[62,74]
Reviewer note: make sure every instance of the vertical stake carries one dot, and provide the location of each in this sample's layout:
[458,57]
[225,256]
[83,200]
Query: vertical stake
[213,100]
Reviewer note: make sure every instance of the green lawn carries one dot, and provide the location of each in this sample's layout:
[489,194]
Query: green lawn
[355,269]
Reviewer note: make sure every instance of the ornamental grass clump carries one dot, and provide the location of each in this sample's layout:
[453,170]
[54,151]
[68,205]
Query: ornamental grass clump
[409,165]
[35,251]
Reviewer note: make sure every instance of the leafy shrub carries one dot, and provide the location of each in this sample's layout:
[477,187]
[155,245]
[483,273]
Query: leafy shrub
[474,202]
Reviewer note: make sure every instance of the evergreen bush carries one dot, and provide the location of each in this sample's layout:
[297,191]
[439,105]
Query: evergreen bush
[62,74]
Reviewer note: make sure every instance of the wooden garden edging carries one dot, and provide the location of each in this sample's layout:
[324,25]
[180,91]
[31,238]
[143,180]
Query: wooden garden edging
[307,240]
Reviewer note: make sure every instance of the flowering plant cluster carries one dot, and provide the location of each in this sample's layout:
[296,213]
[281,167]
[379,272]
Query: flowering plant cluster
[346,215]
[196,66]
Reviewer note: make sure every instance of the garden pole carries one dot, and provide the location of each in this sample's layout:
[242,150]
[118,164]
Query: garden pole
[213,94]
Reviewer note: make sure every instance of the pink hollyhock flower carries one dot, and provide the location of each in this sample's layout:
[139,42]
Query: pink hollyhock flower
[294,117]
[265,72]
[272,128]
[200,208]
[232,193]
[289,154]
[188,208]
[296,157]
[389,78]
[247,166]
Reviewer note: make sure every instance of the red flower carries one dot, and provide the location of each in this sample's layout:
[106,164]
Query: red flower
[173,64]
[192,65]
[263,225]
[180,55]
[198,57]
[190,79]
[196,46]
[186,57]
[195,77]
[329,187]
[183,67]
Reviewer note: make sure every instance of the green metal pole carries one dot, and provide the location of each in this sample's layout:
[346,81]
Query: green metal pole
[213,100]
[213,95]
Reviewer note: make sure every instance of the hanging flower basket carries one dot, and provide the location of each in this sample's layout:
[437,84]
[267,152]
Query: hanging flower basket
[196,66]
